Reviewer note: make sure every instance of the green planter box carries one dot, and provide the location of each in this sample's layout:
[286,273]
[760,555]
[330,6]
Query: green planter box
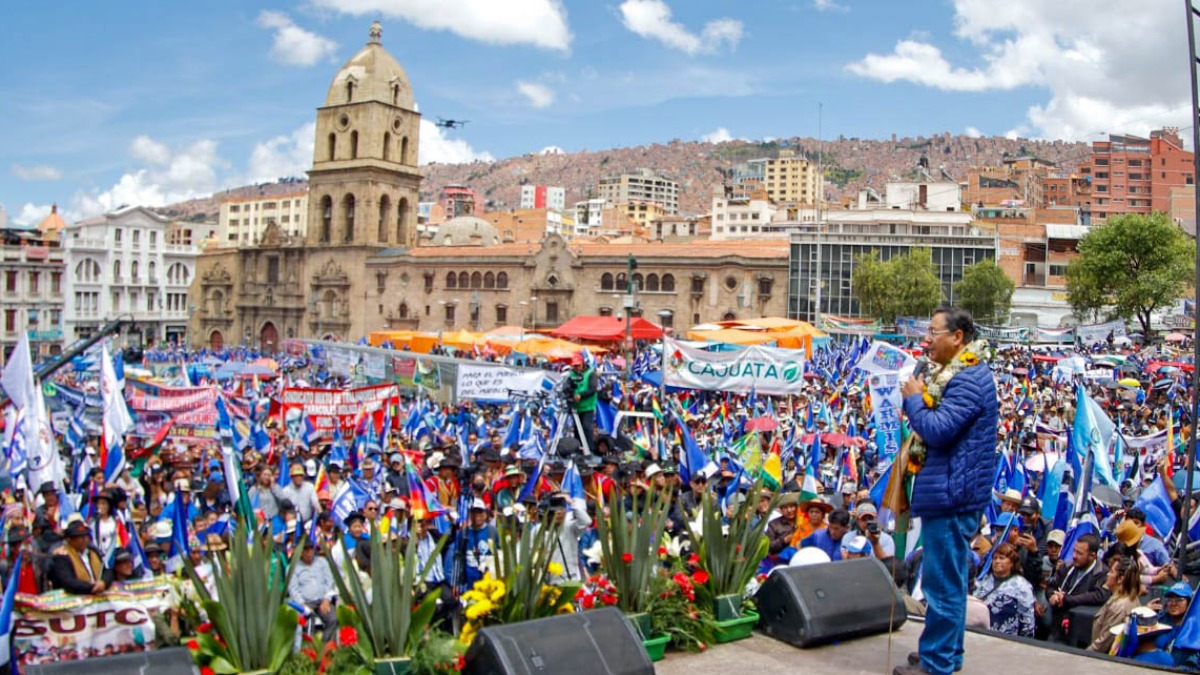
[736,629]
[391,666]
[641,621]
[656,648]
[727,607]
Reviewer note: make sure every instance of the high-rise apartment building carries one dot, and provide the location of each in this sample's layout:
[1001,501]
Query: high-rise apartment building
[1129,174]
[642,185]
[786,178]
[543,197]
[242,220]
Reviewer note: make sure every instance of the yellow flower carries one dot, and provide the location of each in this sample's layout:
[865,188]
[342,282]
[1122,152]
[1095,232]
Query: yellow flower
[498,591]
[566,609]
[478,609]
[468,633]
[555,569]
[928,400]
[969,359]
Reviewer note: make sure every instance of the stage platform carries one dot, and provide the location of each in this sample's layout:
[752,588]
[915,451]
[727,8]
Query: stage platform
[761,655]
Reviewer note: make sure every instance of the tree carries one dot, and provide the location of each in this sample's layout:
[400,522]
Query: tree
[985,291]
[1129,267]
[905,285]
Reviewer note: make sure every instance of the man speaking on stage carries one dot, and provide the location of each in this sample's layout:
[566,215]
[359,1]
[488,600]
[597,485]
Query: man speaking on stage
[954,411]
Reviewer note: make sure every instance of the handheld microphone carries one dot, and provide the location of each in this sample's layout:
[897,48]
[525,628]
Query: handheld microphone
[923,365]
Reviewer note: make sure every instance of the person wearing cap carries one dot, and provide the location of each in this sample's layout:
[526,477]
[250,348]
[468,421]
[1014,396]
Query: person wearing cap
[583,389]
[1150,547]
[470,549]
[866,524]
[312,586]
[301,493]
[954,414]
[338,484]
[50,508]
[76,566]
[856,546]
[396,476]
[781,528]
[508,488]
[122,568]
[690,501]
[1080,584]
[154,559]
[215,497]
[1172,610]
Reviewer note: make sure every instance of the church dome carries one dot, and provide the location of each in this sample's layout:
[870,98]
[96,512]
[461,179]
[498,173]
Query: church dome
[371,75]
[466,231]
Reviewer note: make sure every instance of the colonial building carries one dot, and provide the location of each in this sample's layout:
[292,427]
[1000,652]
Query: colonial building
[362,198]
[541,285]
[123,265]
[32,269]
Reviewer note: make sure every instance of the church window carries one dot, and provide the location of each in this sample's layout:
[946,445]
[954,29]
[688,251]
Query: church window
[387,145]
[348,232]
[353,145]
[451,280]
[385,208]
[404,151]
[332,147]
[326,219]
[502,280]
[349,91]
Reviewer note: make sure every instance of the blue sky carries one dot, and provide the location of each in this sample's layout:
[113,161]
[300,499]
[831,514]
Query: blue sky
[152,102]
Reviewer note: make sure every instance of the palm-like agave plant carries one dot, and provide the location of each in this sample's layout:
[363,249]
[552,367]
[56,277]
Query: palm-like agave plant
[629,539]
[730,553]
[255,625]
[391,623]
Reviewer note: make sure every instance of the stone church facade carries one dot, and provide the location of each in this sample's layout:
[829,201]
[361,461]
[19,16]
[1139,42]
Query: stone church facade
[359,267]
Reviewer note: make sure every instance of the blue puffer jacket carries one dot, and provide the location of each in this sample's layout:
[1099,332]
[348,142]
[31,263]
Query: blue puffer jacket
[960,437]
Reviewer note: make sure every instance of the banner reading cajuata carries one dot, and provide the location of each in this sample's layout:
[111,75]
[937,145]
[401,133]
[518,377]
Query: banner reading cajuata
[765,370]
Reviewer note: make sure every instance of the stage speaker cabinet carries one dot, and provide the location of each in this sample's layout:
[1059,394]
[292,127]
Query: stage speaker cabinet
[598,642]
[176,661]
[818,604]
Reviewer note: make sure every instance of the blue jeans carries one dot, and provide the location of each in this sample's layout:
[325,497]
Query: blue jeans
[945,565]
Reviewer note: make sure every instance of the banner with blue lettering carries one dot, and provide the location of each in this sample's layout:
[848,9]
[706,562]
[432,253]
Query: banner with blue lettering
[885,406]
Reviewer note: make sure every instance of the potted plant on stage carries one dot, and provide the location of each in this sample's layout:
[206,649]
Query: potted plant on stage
[729,551]
[250,626]
[630,535]
[396,619]
[523,588]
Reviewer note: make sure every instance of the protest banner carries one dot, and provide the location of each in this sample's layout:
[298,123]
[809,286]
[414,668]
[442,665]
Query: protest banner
[882,357]
[56,626]
[766,370]
[190,411]
[413,372]
[333,407]
[1099,332]
[885,408]
[496,383]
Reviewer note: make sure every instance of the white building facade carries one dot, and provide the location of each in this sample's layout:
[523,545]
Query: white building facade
[125,265]
[243,220]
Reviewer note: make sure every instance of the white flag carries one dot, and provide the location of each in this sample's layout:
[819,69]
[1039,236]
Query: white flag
[17,378]
[116,419]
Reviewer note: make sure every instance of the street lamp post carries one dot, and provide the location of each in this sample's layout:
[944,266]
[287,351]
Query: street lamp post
[663,315]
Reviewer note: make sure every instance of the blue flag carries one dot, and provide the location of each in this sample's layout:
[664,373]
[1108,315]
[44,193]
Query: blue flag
[573,482]
[6,610]
[1157,505]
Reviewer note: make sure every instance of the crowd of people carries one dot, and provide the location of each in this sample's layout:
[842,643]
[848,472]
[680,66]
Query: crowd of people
[454,467]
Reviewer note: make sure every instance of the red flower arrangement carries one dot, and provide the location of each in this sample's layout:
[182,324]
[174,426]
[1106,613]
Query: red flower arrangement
[597,591]
[347,636]
[627,557]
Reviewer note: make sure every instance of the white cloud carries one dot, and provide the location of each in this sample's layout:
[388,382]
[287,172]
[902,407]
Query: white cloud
[292,44]
[436,148]
[651,19]
[721,135]
[31,214]
[974,132]
[173,176]
[282,156]
[540,23]
[829,6]
[539,95]
[148,150]
[1098,77]
[37,172]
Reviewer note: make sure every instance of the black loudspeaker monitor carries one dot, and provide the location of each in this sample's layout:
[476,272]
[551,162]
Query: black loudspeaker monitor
[176,661]
[817,604]
[598,642]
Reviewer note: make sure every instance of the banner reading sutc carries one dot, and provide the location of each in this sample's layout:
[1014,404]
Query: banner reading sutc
[59,627]
[764,370]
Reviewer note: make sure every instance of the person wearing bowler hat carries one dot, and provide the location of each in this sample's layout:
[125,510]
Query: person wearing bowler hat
[811,517]
[50,507]
[76,566]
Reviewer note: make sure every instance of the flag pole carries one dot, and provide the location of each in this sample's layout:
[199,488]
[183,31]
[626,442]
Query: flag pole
[1193,15]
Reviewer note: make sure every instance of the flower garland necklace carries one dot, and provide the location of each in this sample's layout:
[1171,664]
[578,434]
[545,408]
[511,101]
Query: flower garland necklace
[935,387]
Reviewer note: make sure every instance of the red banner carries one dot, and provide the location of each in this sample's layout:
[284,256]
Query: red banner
[329,407]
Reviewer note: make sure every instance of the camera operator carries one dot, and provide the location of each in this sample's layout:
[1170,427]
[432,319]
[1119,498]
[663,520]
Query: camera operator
[572,516]
[882,544]
[582,391]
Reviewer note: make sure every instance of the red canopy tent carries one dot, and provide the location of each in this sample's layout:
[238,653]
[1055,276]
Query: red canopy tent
[606,329]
